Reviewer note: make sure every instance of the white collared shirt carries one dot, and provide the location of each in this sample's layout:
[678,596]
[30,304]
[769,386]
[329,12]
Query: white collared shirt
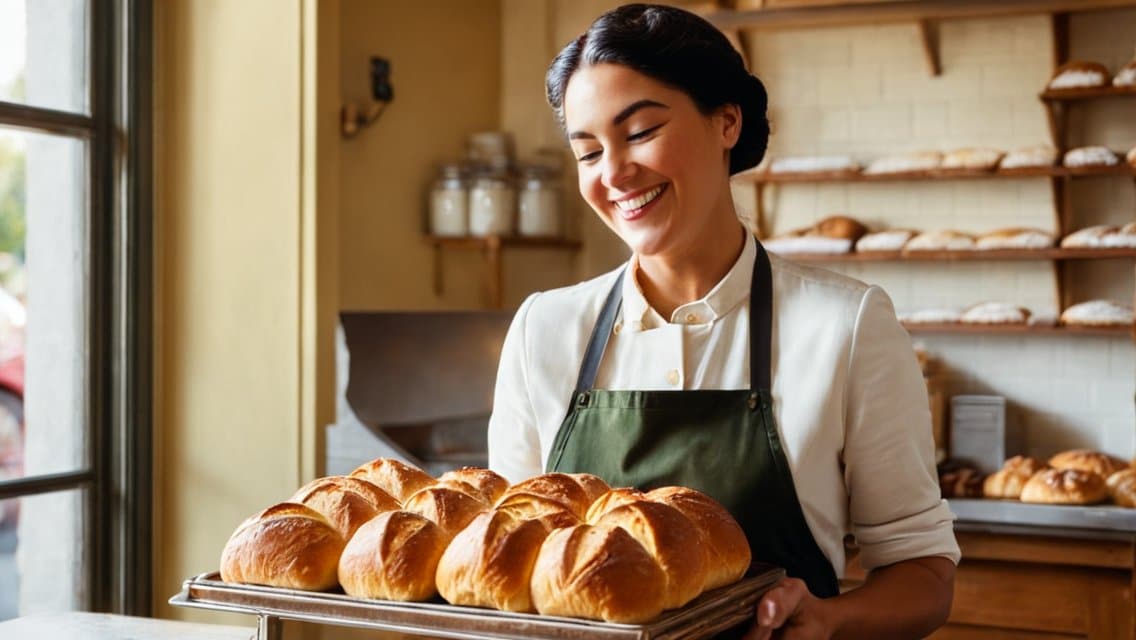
[848,397]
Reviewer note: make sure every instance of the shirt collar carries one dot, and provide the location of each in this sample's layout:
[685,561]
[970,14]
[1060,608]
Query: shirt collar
[730,291]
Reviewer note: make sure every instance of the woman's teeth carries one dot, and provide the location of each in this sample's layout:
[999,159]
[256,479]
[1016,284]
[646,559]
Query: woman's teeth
[640,201]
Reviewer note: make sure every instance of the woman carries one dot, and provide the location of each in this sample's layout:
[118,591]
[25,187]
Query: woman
[788,393]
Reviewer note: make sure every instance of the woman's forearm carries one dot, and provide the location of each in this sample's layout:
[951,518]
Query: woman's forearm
[909,599]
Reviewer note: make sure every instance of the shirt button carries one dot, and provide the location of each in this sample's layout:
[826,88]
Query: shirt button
[690,317]
[672,377]
[617,328]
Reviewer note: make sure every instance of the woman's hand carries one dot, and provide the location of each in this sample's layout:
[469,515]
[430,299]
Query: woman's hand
[789,612]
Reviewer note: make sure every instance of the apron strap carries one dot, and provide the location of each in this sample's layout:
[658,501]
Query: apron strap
[601,332]
[760,322]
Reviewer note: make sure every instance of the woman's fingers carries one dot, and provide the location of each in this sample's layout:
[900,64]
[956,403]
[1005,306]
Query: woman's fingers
[777,607]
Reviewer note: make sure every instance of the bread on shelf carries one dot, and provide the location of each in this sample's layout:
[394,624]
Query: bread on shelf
[886,240]
[1089,461]
[1102,236]
[1126,76]
[813,164]
[1065,486]
[393,557]
[287,545]
[905,163]
[941,240]
[1080,74]
[1122,487]
[959,480]
[346,502]
[1007,482]
[1015,238]
[397,478]
[973,158]
[1091,156]
[1098,313]
[1131,157]
[995,313]
[833,234]
[1036,156]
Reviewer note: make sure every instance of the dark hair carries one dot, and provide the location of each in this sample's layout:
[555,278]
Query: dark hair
[678,49]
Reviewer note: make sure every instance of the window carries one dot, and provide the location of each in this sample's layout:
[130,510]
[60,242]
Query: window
[74,306]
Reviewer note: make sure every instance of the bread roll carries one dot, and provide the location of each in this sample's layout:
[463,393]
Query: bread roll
[561,487]
[841,227]
[397,478]
[611,500]
[600,573]
[1098,313]
[1065,486]
[931,316]
[529,506]
[490,563]
[905,163]
[1096,462]
[1080,75]
[961,482]
[1039,156]
[346,502]
[794,243]
[1011,478]
[1131,157]
[672,540]
[979,159]
[593,485]
[995,313]
[448,508]
[729,550]
[940,241]
[287,545]
[1091,156]
[813,164]
[489,485]
[1126,77]
[1015,238]
[1089,237]
[889,240]
[1122,487]
[393,557]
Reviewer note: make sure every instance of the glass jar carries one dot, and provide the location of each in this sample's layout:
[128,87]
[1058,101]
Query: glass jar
[538,208]
[449,202]
[492,201]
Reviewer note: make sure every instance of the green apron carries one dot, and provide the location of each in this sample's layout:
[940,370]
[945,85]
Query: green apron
[721,442]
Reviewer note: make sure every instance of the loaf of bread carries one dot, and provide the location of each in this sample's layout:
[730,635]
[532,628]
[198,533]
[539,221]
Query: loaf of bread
[957,480]
[1015,238]
[723,538]
[489,485]
[977,158]
[490,563]
[597,572]
[448,508]
[1008,481]
[813,164]
[397,478]
[611,500]
[1131,157]
[672,540]
[346,502]
[1038,156]
[529,506]
[889,240]
[931,316]
[995,313]
[393,557]
[1098,313]
[575,492]
[905,163]
[1065,486]
[834,234]
[1122,487]
[287,545]
[1080,75]
[1089,461]
[1091,156]
[940,240]
[1126,77]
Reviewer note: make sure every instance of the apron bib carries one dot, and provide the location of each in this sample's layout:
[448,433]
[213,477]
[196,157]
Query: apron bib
[723,443]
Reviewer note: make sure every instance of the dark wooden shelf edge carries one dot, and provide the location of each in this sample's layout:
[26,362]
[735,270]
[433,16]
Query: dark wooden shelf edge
[762,177]
[1016,329]
[1070,95]
[963,256]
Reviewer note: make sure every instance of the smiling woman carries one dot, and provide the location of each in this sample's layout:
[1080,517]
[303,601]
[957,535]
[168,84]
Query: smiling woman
[789,394]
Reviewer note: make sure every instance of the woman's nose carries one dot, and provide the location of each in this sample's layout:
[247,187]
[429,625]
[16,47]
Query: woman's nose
[617,169]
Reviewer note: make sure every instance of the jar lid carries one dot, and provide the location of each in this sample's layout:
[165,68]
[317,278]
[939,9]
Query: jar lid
[452,170]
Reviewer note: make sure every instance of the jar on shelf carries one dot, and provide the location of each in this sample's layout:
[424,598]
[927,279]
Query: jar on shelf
[492,203]
[449,202]
[538,207]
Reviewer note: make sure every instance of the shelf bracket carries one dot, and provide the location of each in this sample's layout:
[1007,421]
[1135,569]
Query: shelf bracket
[929,34]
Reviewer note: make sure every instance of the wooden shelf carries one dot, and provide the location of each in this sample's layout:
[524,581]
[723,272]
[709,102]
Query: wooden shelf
[491,246]
[1016,329]
[963,256]
[1072,95]
[765,177]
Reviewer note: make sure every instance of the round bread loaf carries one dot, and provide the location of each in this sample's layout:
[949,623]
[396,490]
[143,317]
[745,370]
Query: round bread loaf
[287,545]
[1065,486]
[490,563]
[397,478]
[601,573]
[1122,487]
[490,485]
[528,506]
[672,540]
[346,502]
[561,487]
[593,486]
[1080,74]
[1096,462]
[842,227]
[722,537]
[448,508]
[1004,484]
[611,500]
[393,557]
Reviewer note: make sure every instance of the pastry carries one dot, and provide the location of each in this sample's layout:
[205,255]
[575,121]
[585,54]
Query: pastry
[940,241]
[995,313]
[978,159]
[601,573]
[834,234]
[1098,313]
[393,557]
[528,506]
[1080,75]
[1008,481]
[1091,156]
[1065,486]
[1122,487]
[1015,238]
[559,487]
[1039,156]
[488,484]
[1131,157]
[397,478]
[448,508]
[813,164]
[1089,237]
[957,481]
[729,550]
[490,563]
[889,240]
[346,502]
[287,545]
[931,316]
[1087,460]
[905,163]
[1126,77]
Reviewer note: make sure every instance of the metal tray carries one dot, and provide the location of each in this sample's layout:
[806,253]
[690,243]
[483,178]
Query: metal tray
[1100,517]
[708,614]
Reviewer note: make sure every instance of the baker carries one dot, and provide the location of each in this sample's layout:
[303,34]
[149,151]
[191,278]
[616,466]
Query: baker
[790,394]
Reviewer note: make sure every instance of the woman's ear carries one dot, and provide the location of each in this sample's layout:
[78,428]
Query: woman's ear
[728,124]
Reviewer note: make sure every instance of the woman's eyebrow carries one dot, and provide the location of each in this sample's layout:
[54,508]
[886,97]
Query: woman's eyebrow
[620,117]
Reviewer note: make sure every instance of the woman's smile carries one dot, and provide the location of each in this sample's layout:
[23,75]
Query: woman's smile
[638,204]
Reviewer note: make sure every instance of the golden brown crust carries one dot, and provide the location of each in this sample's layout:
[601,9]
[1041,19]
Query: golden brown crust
[672,540]
[397,478]
[490,563]
[561,487]
[529,506]
[600,573]
[287,545]
[448,508]
[346,502]
[1131,157]
[1004,484]
[393,557]
[841,227]
[611,500]
[593,486]
[488,484]
[1065,486]
[1096,462]
[730,554]
[1122,487]
[1083,66]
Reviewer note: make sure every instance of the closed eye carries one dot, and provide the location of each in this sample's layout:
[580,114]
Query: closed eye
[644,133]
[588,157]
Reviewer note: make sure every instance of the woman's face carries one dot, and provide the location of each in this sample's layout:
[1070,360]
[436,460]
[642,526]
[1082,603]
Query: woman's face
[651,165]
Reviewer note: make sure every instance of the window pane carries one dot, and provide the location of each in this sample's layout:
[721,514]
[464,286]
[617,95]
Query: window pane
[43,302]
[43,558]
[43,53]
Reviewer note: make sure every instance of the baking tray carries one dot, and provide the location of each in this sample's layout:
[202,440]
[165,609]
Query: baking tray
[707,615]
[1102,517]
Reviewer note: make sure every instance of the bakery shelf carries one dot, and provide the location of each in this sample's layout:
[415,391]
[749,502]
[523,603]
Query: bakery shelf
[1015,329]
[963,256]
[765,177]
[492,247]
[1071,95]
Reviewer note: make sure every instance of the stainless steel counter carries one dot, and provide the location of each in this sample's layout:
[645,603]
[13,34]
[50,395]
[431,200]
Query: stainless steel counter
[101,626]
[1007,516]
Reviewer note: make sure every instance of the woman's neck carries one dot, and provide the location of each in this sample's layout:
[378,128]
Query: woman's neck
[671,280]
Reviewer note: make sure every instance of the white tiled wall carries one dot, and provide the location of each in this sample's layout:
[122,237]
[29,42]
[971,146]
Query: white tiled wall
[866,92]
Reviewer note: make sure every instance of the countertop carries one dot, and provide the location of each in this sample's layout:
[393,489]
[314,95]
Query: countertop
[1105,522]
[102,626]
